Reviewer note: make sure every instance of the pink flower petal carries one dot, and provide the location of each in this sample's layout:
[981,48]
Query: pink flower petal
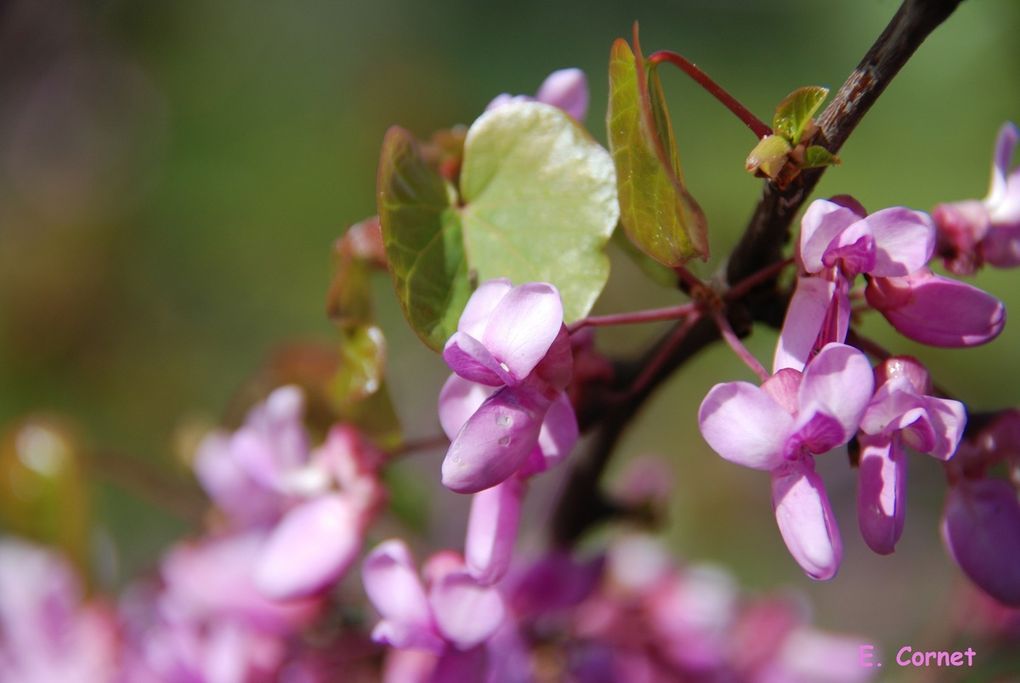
[744,425]
[310,549]
[523,326]
[939,311]
[981,528]
[948,419]
[806,521]
[559,431]
[1005,144]
[804,318]
[566,89]
[458,401]
[822,222]
[461,666]
[852,250]
[881,492]
[495,441]
[492,530]
[393,587]
[904,241]
[466,612]
[467,357]
[480,306]
[1001,248]
[839,382]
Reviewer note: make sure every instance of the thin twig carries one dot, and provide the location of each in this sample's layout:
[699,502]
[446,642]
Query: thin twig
[757,126]
[730,337]
[634,317]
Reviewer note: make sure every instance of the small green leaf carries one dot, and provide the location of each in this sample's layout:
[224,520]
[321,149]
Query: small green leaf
[43,494]
[657,212]
[769,156]
[423,239]
[540,202]
[796,110]
[815,156]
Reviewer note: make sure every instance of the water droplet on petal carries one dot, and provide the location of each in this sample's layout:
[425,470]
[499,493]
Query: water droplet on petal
[504,420]
[504,441]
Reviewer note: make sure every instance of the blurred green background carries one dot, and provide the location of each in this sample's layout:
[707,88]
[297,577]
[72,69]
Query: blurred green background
[172,176]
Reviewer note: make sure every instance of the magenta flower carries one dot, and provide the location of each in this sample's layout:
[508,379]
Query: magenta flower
[565,88]
[779,427]
[974,232]
[47,631]
[316,504]
[981,529]
[900,414]
[450,615]
[513,351]
[837,243]
[937,310]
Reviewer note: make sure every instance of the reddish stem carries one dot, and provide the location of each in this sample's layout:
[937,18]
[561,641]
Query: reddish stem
[726,330]
[661,357]
[647,316]
[425,443]
[738,290]
[757,126]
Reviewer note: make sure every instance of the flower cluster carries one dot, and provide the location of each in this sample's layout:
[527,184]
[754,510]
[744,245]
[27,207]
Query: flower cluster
[824,394]
[508,417]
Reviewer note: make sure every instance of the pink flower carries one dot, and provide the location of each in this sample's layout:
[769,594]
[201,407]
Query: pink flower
[505,409]
[316,503]
[838,241]
[566,89]
[47,631]
[974,232]
[900,414]
[779,427]
[450,615]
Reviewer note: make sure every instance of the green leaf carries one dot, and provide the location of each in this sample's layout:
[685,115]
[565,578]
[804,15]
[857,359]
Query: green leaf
[43,494]
[423,239]
[657,212]
[815,156]
[540,202]
[796,110]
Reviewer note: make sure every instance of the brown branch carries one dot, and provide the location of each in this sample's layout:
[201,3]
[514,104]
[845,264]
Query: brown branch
[164,489]
[582,504]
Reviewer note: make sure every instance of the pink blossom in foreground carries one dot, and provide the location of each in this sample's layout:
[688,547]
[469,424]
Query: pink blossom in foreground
[974,232]
[779,427]
[505,410]
[450,615]
[565,88]
[511,359]
[901,414]
[47,631]
[316,503]
[838,242]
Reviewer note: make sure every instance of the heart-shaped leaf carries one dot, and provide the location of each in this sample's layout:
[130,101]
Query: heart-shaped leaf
[537,203]
[540,202]
[657,212]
